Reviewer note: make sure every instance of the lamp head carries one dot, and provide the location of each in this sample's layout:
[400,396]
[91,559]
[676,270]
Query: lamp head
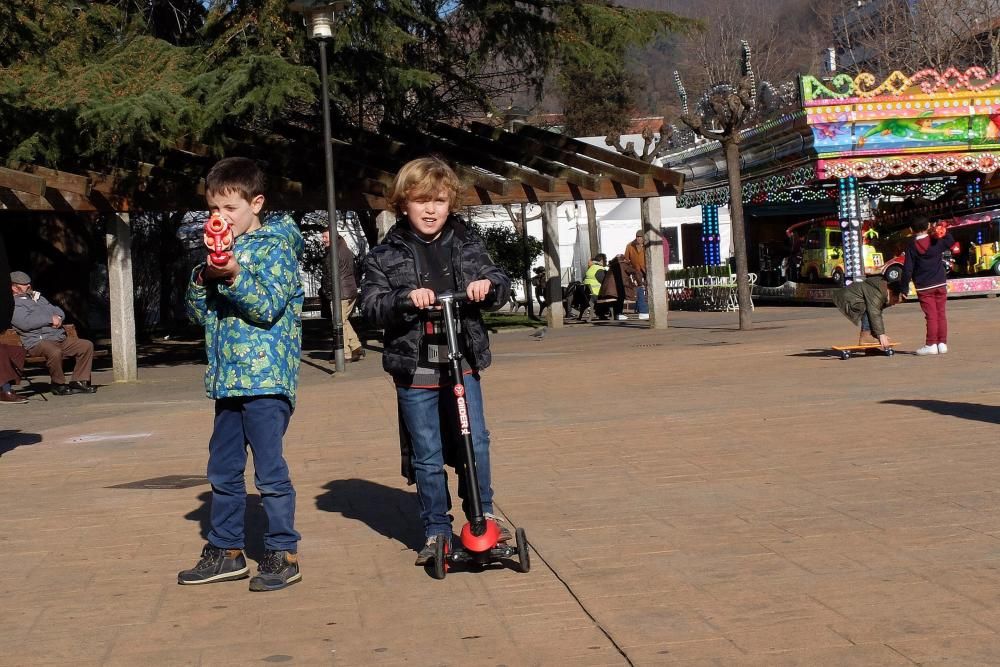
[318,15]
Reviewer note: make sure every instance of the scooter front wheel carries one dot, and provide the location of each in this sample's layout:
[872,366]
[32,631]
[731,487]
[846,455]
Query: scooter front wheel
[523,556]
[440,560]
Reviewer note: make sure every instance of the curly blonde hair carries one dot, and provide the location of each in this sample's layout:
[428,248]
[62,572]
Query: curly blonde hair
[424,177]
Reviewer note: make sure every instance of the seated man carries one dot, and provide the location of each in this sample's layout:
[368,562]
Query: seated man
[40,326]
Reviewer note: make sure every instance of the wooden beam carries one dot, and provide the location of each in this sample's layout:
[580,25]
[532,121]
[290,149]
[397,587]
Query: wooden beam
[424,144]
[60,180]
[479,179]
[22,182]
[529,146]
[611,157]
[524,156]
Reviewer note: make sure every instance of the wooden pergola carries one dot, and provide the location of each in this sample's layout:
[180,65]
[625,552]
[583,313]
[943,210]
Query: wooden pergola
[529,165]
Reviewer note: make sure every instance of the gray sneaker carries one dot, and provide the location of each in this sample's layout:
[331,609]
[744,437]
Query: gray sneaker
[216,564]
[426,554]
[276,570]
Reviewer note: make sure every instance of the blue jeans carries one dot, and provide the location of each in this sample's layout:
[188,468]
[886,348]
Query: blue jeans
[865,324]
[260,422]
[421,411]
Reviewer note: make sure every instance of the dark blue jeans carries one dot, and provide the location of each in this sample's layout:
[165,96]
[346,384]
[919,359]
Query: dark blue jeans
[421,411]
[258,422]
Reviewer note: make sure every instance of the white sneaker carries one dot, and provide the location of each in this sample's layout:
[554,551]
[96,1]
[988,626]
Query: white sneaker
[942,348]
[643,316]
[927,349]
[622,317]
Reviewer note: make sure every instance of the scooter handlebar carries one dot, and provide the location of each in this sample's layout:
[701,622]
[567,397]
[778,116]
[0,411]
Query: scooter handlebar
[454,297]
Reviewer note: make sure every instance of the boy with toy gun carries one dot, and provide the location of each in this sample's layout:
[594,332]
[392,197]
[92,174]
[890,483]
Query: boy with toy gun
[924,266]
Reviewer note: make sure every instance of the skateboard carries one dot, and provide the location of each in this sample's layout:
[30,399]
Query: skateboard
[866,348]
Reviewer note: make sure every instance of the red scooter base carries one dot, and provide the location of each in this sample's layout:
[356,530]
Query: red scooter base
[481,543]
[445,558]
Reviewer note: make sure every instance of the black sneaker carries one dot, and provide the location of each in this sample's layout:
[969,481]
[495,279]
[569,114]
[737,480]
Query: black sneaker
[82,387]
[426,555]
[216,564]
[61,390]
[276,570]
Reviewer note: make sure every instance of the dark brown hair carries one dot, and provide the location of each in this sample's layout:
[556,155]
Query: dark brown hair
[236,174]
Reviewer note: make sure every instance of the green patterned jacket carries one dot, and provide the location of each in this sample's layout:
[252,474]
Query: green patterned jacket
[253,328]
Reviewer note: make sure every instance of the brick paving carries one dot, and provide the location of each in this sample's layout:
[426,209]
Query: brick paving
[693,496]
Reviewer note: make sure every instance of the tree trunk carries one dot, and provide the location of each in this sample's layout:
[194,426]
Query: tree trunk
[739,232]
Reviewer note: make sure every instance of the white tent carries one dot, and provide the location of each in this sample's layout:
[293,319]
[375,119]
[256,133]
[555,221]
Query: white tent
[619,225]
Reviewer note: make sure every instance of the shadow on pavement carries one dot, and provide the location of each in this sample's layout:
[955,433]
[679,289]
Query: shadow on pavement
[388,511]
[10,440]
[972,411]
[255,522]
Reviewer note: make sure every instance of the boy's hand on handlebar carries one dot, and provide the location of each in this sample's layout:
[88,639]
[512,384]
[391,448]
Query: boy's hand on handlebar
[423,298]
[478,289]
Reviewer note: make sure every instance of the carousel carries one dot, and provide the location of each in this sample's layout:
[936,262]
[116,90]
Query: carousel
[830,184]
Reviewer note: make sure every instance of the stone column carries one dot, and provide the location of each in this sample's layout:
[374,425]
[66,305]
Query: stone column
[554,314]
[592,232]
[118,238]
[383,223]
[656,275]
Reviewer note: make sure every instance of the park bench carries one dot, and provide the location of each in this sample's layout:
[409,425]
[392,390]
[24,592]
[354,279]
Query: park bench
[10,337]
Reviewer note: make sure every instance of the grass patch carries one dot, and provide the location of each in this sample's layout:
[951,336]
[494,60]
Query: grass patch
[510,321]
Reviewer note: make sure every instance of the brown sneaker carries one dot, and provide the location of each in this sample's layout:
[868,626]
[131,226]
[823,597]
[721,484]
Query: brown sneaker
[10,398]
[358,354]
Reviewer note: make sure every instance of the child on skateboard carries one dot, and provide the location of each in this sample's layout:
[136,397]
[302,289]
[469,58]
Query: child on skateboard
[863,301]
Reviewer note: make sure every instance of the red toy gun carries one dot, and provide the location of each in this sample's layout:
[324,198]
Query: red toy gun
[939,230]
[218,240]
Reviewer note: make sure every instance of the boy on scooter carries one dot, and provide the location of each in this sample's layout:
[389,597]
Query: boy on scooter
[429,251]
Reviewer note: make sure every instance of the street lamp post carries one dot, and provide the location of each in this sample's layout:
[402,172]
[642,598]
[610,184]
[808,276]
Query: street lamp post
[319,18]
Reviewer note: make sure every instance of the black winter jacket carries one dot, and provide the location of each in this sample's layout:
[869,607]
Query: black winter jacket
[926,266]
[391,274]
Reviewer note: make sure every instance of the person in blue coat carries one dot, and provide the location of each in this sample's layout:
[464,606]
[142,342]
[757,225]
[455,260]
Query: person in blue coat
[251,309]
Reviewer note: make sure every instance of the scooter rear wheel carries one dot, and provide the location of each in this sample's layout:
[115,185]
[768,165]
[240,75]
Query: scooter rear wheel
[440,560]
[523,556]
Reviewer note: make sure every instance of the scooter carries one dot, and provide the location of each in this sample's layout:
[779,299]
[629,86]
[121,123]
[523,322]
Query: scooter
[480,537]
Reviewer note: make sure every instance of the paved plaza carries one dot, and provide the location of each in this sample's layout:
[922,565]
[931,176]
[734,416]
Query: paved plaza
[694,496]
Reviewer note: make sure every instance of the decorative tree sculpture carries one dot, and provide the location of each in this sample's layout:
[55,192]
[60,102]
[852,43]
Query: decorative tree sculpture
[721,114]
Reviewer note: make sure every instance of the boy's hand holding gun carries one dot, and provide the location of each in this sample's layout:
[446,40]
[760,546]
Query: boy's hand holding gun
[221,264]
